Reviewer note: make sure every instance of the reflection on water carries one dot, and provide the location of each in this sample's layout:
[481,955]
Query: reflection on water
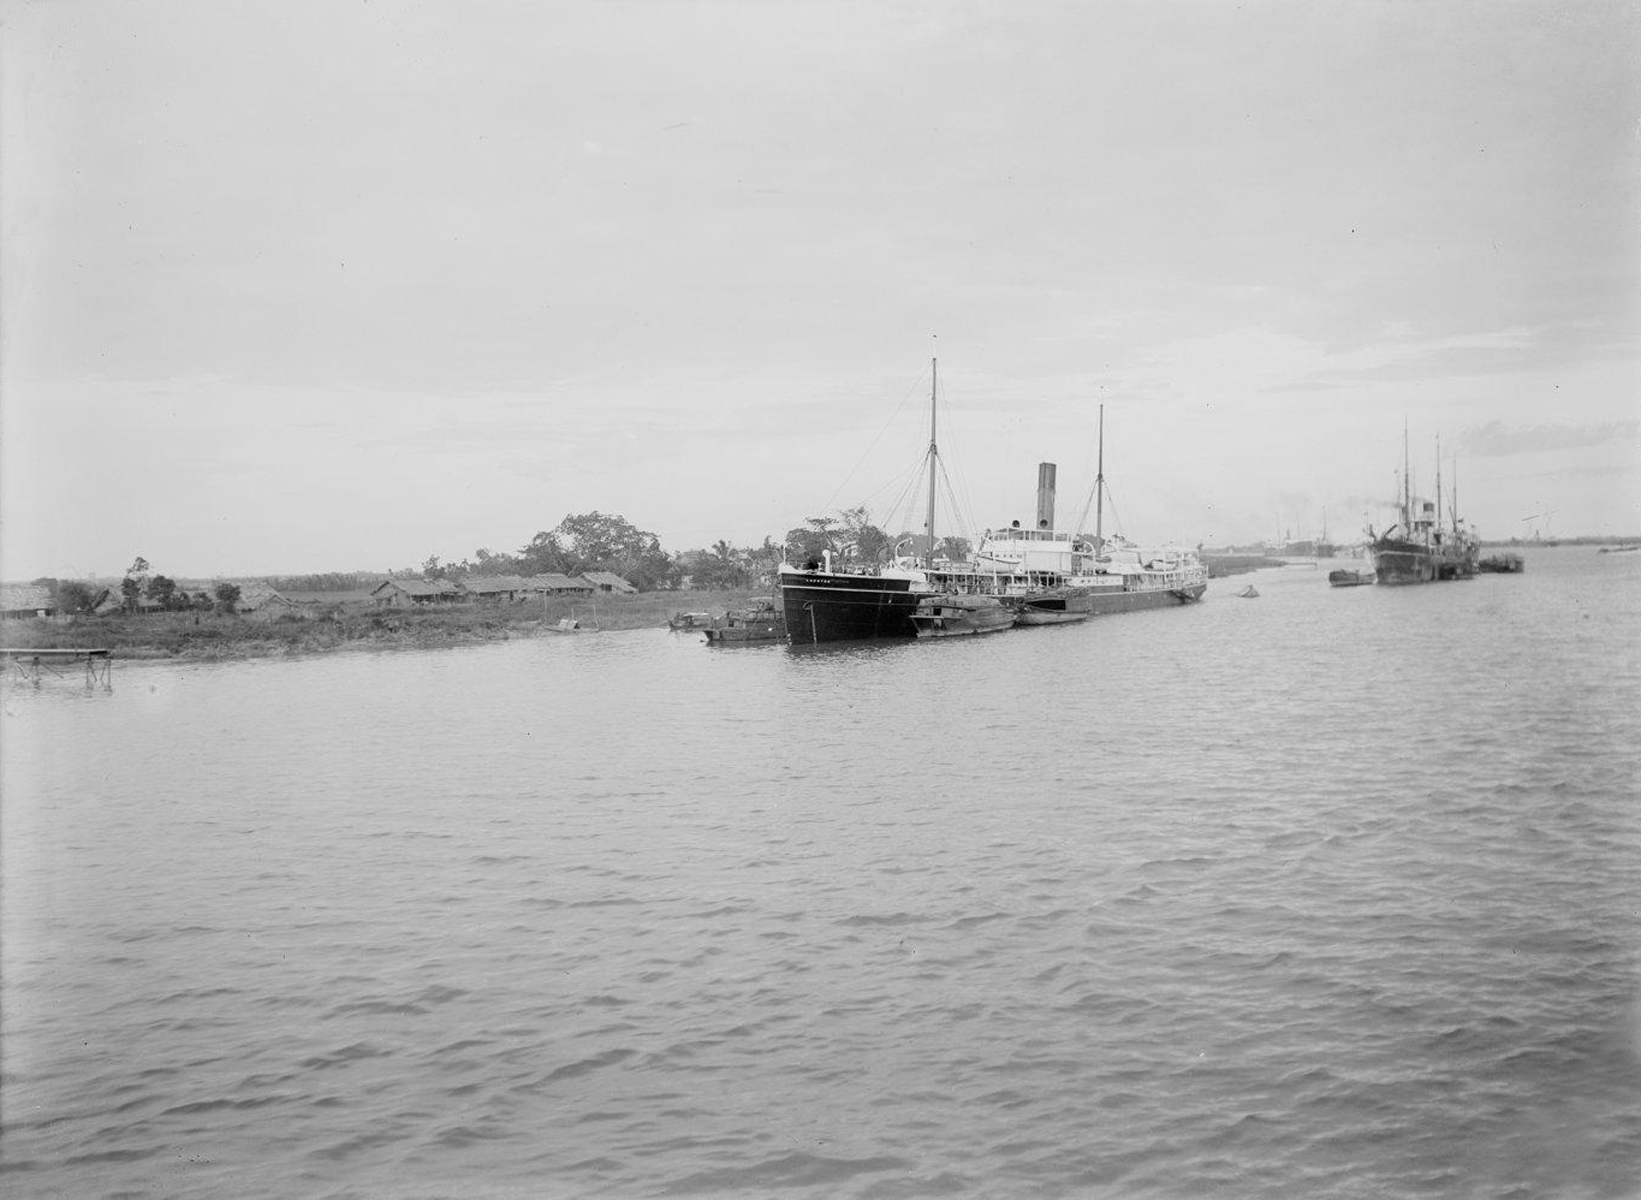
[1327,893]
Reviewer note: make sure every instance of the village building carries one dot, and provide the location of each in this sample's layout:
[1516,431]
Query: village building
[261,602]
[414,593]
[26,600]
[563,585]
[608,581]
[503,589]
[111,600]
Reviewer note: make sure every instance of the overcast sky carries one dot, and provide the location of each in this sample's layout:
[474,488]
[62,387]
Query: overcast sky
[291,287]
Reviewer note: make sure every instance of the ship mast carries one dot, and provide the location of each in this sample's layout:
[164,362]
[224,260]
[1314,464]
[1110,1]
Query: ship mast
[1407,487]
[934,456]
[1438,530]
[1099,487]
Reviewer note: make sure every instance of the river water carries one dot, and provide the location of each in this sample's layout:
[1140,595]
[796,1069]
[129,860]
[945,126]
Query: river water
[1328,893]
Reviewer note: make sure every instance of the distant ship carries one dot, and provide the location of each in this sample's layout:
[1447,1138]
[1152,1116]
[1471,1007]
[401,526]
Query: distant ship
[1418,548]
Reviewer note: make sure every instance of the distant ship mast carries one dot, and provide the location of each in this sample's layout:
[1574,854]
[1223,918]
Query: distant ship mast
[1407,486]
[1097,497]
[934,456]
[1438,529]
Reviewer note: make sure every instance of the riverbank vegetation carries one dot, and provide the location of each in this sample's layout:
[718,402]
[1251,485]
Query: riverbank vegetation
[321,628]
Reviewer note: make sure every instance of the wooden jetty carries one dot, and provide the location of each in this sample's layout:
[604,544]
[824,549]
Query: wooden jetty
[33,664]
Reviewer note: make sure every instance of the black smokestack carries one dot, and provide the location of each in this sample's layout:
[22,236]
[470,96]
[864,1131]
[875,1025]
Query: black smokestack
[1045,495]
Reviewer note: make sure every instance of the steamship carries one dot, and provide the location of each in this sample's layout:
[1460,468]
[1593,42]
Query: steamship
[1053,577]
[1418,548]
[838,600]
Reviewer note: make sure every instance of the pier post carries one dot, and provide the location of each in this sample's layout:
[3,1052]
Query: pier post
[32,664]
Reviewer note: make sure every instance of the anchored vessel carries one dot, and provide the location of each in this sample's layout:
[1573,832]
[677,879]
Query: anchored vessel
[826,602]
[1419,548]
[1055,578]
[823,603]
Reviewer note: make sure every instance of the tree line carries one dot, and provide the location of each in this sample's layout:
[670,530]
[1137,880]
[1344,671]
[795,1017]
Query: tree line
[580,543]
[77,596]
[597,541]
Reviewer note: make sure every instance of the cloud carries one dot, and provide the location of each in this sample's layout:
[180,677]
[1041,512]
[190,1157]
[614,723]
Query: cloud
[1497,440]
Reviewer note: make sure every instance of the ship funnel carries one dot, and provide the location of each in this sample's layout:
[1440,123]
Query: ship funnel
[1045,495]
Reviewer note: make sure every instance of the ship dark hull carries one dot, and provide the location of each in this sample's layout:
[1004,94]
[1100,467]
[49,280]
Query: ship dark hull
[1403,563]
[823,607]
[1396,562]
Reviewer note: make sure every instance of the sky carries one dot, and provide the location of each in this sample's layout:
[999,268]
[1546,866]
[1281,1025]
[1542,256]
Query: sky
[294,287]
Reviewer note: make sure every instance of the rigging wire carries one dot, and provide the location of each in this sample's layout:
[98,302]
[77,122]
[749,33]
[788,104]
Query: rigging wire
[907,479]
[963,529]
[1111,503]
[900,513]
[873,444]
[911,483]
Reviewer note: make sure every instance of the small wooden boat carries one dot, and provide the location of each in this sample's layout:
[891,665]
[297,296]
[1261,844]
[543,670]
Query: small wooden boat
[1249,593]
[572,624]
[1055,606]
[689,620]
[959,615]
[1349,578]
[1503,563]
[761,621]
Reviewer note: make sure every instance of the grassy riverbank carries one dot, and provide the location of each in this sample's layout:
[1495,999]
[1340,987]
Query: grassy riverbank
[324,627]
